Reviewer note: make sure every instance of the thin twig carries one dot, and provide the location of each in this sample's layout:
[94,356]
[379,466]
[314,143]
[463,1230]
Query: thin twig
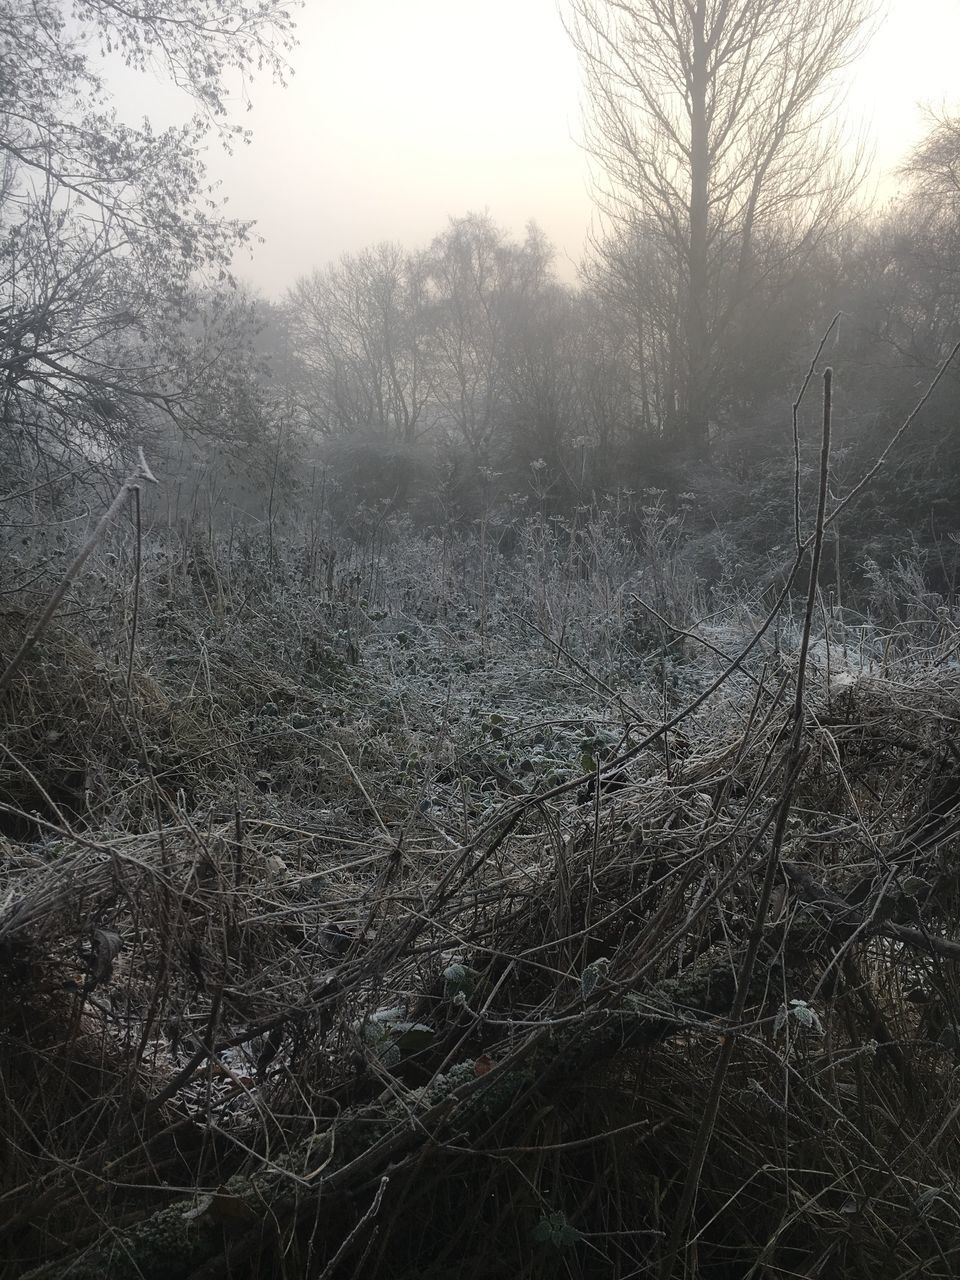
[140,473]
[745,975]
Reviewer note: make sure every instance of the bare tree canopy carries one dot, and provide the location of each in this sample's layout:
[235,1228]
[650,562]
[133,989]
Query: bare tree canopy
[709,120]
[935,164]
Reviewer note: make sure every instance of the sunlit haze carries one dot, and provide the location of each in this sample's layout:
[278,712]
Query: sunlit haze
[400,115]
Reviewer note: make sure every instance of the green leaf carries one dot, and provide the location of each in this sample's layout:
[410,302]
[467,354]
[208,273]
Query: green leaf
[555,1230]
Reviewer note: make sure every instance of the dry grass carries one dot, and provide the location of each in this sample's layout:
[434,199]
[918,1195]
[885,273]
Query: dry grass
[400,990]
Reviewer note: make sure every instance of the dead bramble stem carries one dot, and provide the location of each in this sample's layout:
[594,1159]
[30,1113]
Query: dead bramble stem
[132,484]
[794,757]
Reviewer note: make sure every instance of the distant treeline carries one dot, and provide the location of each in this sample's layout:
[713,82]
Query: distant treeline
[463,380]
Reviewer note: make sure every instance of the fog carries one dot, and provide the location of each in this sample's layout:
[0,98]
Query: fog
[398,116]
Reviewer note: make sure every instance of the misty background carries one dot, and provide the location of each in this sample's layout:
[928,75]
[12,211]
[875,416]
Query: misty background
[453,264]
[395,117]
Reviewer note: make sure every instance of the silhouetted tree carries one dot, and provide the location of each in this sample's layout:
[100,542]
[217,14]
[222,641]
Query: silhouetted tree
[360,328]
[479,281]
[707,118]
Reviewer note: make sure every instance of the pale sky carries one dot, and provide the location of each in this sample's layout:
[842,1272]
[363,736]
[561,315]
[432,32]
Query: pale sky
[401,113]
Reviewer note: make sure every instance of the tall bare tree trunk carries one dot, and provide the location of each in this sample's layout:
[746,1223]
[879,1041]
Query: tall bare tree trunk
[698,353]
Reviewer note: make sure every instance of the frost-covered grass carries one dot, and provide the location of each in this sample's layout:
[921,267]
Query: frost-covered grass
[450,668]
[371,822]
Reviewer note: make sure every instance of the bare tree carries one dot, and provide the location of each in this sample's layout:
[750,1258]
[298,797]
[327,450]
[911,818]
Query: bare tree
[480,282]
[634,279]
[934,165]
[903,269]
[709,121]
[359,327]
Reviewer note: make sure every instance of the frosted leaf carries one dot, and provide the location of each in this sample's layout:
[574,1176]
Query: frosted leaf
[458,980]
[802,1014]
[394,1014]
[592,976]
[374,1033]
[914,885]
[554,1229]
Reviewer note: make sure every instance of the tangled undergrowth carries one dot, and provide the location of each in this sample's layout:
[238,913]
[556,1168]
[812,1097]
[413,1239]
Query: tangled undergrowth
[371,923]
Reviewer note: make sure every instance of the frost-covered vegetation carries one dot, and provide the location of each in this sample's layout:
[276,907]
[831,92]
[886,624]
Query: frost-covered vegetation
[481,797]
[370,922]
